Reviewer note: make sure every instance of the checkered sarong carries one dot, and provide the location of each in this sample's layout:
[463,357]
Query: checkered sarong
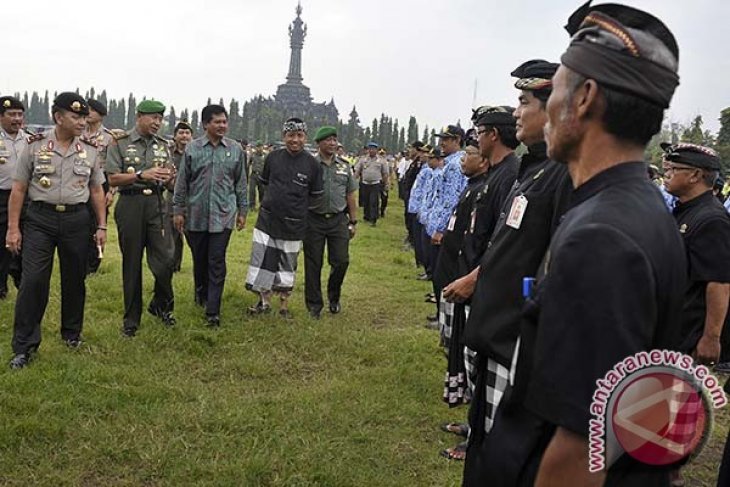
[273,263]
[446,322]
[456,387]
[497,380]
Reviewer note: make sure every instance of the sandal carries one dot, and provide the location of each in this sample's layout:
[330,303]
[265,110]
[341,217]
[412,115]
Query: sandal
[457,452]
[459,429]
[259,309]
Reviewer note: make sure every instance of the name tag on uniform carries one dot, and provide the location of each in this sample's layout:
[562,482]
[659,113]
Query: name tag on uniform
[517,212]
[452,222]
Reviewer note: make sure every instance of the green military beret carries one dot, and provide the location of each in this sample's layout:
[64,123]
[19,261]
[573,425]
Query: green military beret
[324,132]
[150,106]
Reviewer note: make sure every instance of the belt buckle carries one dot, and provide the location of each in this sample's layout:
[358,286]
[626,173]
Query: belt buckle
[147,191]
[328,215]
[60,208]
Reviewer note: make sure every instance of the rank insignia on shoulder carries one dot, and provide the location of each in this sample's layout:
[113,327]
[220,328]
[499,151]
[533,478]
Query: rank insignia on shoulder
[119,134]
[35,137]
[92,143]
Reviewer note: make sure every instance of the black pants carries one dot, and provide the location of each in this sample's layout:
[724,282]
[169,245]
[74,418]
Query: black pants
[140,228]
[383,200]
[209,267]
[417,230]
[255,185]
[333,232]
[177,252]
[371,201]
[45,231]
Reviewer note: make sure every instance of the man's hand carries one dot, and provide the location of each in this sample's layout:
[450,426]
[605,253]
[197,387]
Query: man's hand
[352,229]
[100,238]
[109,198]
[12,241]
[460,290]
[157,174]
[708,350]
[437,237]
[178,221]
[240,222]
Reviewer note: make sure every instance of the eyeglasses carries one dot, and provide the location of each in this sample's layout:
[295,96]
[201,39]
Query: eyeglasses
[672,169]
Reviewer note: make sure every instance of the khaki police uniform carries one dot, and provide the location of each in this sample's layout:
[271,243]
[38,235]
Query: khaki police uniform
[10,149]
[327,223]
[58,189]
[140,215]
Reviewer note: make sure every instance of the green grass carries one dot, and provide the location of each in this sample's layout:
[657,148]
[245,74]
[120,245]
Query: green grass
[351,400]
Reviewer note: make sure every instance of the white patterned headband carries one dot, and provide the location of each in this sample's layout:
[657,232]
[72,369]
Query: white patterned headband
[294,126]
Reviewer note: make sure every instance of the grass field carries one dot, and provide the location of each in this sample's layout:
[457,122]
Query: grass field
[353,399]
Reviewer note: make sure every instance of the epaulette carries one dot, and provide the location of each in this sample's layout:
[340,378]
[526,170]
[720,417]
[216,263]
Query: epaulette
[119,134]
[88,142]
[35,138]
[108,131]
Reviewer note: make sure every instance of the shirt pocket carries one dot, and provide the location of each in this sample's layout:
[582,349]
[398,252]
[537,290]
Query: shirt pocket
[82,169]
[301,180]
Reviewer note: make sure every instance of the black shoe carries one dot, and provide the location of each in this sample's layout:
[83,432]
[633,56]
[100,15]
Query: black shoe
[129,332]
[73,343]
[168,319]
[19,361]
[259,309]
[424,277]
[335,307]
[432,317]
[214,321]
[315,315]
[155,311]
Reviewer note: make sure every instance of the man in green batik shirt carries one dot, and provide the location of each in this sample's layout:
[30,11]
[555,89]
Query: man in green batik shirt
[210,198]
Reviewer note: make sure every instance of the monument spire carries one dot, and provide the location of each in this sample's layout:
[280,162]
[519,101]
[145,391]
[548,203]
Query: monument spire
[297,33]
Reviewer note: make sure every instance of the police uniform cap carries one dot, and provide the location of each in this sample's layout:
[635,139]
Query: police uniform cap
[97,106]
[372,145]
[451,131]
[324,132]
[10,103]
[151,106]
[72,102]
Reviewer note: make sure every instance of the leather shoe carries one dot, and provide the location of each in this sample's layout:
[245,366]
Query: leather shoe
[168,319]
[20,360]
[129,332]
[315,314]
[335,307]
[214,321]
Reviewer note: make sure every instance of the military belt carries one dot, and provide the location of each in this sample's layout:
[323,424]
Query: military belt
[42,205]
[142,191]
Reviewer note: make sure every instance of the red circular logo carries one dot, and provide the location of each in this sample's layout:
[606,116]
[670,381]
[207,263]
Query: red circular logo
[660,418]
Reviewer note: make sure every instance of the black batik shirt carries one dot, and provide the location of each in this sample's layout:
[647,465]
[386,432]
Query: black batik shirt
[290,179]
[613,283]
[514,253]
[705,227]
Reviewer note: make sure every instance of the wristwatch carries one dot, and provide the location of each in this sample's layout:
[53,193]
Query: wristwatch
[139,175]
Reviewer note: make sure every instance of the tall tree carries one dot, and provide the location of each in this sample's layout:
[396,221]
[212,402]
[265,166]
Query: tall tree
[412,130]
[723,140]
[131,111]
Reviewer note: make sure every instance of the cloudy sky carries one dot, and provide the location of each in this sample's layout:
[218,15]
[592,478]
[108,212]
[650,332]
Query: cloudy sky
[401,57]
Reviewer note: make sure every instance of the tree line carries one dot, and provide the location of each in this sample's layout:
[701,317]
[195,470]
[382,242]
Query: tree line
[260,119]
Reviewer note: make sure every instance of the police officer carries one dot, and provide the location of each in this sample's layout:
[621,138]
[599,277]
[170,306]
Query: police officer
[99,135]
[59,173]
[257,166]
[13,139]
[372,171]
[689,174]
[138,162]
[331,220]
